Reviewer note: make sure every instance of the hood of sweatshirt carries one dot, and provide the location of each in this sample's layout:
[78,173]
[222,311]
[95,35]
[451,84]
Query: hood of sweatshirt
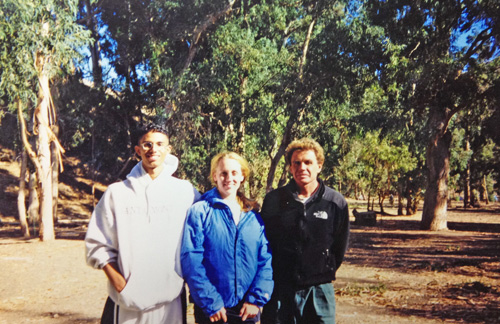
[139,175]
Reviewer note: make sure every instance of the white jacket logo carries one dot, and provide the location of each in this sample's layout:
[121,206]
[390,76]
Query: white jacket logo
[321,214]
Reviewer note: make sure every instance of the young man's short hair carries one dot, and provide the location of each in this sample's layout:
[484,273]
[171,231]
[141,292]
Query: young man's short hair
[304,144]
[144,129]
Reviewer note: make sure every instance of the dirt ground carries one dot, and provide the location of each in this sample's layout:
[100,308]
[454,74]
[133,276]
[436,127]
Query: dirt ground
[393,272]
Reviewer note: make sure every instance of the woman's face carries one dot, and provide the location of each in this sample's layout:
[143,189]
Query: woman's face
[228,177]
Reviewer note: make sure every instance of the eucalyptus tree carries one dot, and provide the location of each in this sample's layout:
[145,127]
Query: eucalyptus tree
[315,68]
[438,78]
[145,48]
[38,40]
[221,75]
[270,72]
[262,74]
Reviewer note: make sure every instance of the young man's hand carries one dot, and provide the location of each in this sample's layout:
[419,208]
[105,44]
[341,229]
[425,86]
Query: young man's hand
[220,315]
[114,276]
[248,311]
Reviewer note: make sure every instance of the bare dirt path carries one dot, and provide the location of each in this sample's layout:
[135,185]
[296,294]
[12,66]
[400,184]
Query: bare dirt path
[48,283]
[394,273]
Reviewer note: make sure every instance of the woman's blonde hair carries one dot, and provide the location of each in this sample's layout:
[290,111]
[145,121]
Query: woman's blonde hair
[245,203]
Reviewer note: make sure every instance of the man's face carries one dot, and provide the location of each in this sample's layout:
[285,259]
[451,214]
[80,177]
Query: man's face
[153,148]
[304,167]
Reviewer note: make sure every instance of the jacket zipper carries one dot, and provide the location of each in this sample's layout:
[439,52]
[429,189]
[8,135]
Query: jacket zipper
[235,250]
[235,266]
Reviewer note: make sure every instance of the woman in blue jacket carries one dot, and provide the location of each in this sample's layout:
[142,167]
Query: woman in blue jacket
[225,258]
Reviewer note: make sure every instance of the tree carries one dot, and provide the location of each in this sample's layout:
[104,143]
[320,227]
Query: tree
[37,39]
[444,79]
[374,165]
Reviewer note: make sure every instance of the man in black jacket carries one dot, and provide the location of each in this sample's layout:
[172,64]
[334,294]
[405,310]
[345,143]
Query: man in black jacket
[307,225]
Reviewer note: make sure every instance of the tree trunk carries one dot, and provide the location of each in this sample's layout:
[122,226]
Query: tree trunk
[467,168]
[94,47]
[400,199]
[409,199]
[294,109]
[42,159]
[381,202]
[33,202]
[199,30]
[275,160]
[54,179]
[33,205]
[484,191]
[472,187]
[240,137]
[45,178]
[472,191]
[21,196]
[43,116]
[284,176]
[438,164]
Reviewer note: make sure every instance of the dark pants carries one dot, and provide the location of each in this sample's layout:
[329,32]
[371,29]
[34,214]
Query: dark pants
[313,305]
[111,311]
[233,316]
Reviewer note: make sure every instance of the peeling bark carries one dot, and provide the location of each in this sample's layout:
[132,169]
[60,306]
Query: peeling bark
[44,174]
[54,166]
[21,196]
[438,164]
[33,202]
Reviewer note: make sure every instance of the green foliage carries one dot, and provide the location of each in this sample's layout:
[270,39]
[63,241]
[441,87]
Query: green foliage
[372,81]
[29,28]
[374,165]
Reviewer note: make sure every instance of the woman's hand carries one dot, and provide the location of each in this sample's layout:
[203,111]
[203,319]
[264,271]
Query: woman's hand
[220,315]
[248,311]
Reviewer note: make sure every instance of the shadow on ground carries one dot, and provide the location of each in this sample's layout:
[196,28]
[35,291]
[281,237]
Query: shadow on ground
[471,302]
[468,249]
[401,246]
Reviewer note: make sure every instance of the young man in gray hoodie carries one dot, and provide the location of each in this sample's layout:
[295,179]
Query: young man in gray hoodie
[134,236]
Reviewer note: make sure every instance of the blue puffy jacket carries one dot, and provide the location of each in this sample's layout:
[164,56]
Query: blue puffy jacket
[222,263]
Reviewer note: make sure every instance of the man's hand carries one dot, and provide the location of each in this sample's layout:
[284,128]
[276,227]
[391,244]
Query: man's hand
[220,315]
[114,276]
[248,311]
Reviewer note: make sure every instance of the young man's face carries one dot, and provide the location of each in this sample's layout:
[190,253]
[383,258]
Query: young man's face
[153,149]
[304,167]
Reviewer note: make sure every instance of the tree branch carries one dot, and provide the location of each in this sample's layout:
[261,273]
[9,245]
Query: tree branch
[477,43]
[32,155]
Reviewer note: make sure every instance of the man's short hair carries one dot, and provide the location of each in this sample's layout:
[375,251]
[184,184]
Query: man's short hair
[304,144]
[144,129]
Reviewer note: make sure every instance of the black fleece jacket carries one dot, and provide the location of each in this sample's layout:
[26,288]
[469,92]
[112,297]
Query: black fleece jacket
[308,241]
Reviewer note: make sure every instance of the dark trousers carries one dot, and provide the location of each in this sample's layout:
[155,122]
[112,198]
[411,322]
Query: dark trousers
[111,311]
[313,305]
